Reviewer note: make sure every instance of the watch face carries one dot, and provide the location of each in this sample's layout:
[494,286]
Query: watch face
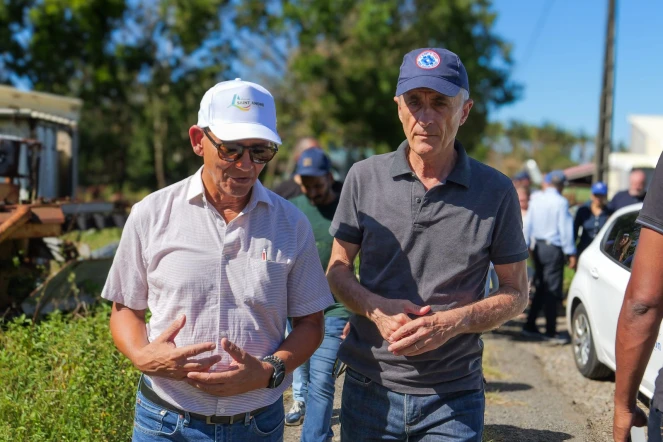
[278,378]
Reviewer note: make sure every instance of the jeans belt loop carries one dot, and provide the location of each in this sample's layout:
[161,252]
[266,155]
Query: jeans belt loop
[247,418]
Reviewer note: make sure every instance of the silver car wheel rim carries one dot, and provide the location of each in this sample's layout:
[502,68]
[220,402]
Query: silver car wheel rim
[582,338]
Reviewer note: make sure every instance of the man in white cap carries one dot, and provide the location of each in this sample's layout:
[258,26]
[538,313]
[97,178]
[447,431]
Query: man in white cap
[221,262]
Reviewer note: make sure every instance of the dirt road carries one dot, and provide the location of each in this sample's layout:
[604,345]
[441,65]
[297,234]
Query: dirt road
[534,393]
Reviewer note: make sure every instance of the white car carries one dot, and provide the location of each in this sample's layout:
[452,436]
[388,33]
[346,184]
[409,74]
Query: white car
[596,295]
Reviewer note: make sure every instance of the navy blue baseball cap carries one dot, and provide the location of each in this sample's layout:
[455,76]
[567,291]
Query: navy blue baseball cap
[523,175]
[313,162]
[599,188]
[433,68]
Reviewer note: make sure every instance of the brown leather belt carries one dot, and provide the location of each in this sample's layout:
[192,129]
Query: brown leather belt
[151,396]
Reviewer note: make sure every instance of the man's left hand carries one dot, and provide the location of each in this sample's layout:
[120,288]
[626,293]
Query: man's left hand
[573,262]
[247,373]
[426,333]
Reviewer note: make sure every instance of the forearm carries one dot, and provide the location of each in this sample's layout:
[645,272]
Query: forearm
[128,330]
[637,329]
[346,288]
[489,313]
[306,336]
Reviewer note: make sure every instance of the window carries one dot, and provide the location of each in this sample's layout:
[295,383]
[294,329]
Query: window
[621,240]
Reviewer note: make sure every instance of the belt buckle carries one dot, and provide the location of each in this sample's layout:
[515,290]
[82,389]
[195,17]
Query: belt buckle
[211,420]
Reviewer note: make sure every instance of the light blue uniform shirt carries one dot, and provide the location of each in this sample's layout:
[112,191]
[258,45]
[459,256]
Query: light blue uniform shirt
[548,219]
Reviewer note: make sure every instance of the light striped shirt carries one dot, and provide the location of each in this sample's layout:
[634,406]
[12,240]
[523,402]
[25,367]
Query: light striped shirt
[239,280]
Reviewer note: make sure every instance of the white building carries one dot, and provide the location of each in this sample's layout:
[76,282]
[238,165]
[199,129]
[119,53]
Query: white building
[644,150]
[646,134]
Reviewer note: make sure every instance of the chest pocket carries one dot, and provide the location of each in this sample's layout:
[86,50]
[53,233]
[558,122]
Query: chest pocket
[266,283]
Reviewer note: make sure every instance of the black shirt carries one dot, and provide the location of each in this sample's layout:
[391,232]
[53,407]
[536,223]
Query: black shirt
[590,223]
[651,216]
[623,199]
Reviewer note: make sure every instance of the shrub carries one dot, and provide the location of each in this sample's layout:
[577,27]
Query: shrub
[62,379]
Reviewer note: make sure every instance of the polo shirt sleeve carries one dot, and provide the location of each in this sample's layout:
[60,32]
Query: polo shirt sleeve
[651,215]
[127,280]
[345,225]
[308,290]
[508,242]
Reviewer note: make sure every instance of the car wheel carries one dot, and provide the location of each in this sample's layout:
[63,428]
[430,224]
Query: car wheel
[584,351]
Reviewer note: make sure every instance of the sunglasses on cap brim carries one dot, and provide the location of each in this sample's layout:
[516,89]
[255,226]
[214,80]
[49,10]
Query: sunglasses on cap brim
[232,151]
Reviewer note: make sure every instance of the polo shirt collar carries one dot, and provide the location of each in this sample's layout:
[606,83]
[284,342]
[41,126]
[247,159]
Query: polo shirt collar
[258,195]
[460,174]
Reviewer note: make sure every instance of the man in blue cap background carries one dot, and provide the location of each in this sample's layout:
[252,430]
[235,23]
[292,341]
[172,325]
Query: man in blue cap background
[313,383]
[549,224]
[591,217]
[414,350]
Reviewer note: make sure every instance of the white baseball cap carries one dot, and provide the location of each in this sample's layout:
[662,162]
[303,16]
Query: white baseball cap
[237,110]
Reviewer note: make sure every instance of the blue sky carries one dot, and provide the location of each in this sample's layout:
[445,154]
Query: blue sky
[560,63]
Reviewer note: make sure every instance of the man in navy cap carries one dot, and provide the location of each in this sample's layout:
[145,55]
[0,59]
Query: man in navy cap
[591,217]
[414,349]
[313,383]
[550,225]
[522,179]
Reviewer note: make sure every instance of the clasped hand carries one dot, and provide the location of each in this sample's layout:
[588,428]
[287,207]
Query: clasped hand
[411,337]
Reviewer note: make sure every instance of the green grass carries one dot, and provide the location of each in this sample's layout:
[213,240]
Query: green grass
[62,379]
[94,238]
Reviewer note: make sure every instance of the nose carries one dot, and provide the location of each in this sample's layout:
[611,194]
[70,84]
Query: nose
[244,163]
[424,116]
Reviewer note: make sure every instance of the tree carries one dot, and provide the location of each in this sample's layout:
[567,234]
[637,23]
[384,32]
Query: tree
[140,67]
[343,60]
[509,146]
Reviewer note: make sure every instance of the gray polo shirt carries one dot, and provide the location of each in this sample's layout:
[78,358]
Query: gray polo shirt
[433,248]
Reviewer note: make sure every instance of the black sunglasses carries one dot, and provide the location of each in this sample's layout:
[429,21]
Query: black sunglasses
[230,151]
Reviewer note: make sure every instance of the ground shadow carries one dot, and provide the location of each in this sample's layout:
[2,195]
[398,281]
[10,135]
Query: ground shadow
[509,332]
[336,416]
[509,433]
[506,387]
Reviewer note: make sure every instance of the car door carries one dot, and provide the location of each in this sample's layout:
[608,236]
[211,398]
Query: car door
[611,275]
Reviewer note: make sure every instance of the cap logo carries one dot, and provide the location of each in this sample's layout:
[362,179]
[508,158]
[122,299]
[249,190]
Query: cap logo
[307,162]
[428,60]
[244,104]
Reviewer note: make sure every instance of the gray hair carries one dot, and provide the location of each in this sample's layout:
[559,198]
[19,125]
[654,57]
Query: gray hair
[465,94]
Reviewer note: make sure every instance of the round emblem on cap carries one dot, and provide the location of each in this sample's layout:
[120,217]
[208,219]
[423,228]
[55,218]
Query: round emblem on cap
[428,60]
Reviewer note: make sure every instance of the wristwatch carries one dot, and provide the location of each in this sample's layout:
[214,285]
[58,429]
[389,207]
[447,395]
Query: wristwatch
[279,370]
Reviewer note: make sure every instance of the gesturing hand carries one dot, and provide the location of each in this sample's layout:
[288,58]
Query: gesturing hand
[162,357]
[425,334]
[391,314]
[246,373]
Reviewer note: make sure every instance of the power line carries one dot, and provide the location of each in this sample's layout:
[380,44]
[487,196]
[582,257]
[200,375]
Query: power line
[540,23]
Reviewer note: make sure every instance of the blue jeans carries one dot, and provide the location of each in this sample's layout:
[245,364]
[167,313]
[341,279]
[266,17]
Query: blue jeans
[655,425]
[154,423]
[371,412]
[313,383]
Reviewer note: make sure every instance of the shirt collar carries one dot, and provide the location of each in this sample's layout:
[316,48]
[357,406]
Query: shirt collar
[259,193]
[460,174]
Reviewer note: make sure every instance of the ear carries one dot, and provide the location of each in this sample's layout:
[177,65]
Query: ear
[196,135]
[397,100]
[466,110]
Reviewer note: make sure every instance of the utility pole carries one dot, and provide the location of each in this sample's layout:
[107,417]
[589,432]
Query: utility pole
[604,135]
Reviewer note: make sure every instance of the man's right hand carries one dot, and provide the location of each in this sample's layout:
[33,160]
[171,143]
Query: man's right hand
[623,420]
[391,314]
[162,357]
